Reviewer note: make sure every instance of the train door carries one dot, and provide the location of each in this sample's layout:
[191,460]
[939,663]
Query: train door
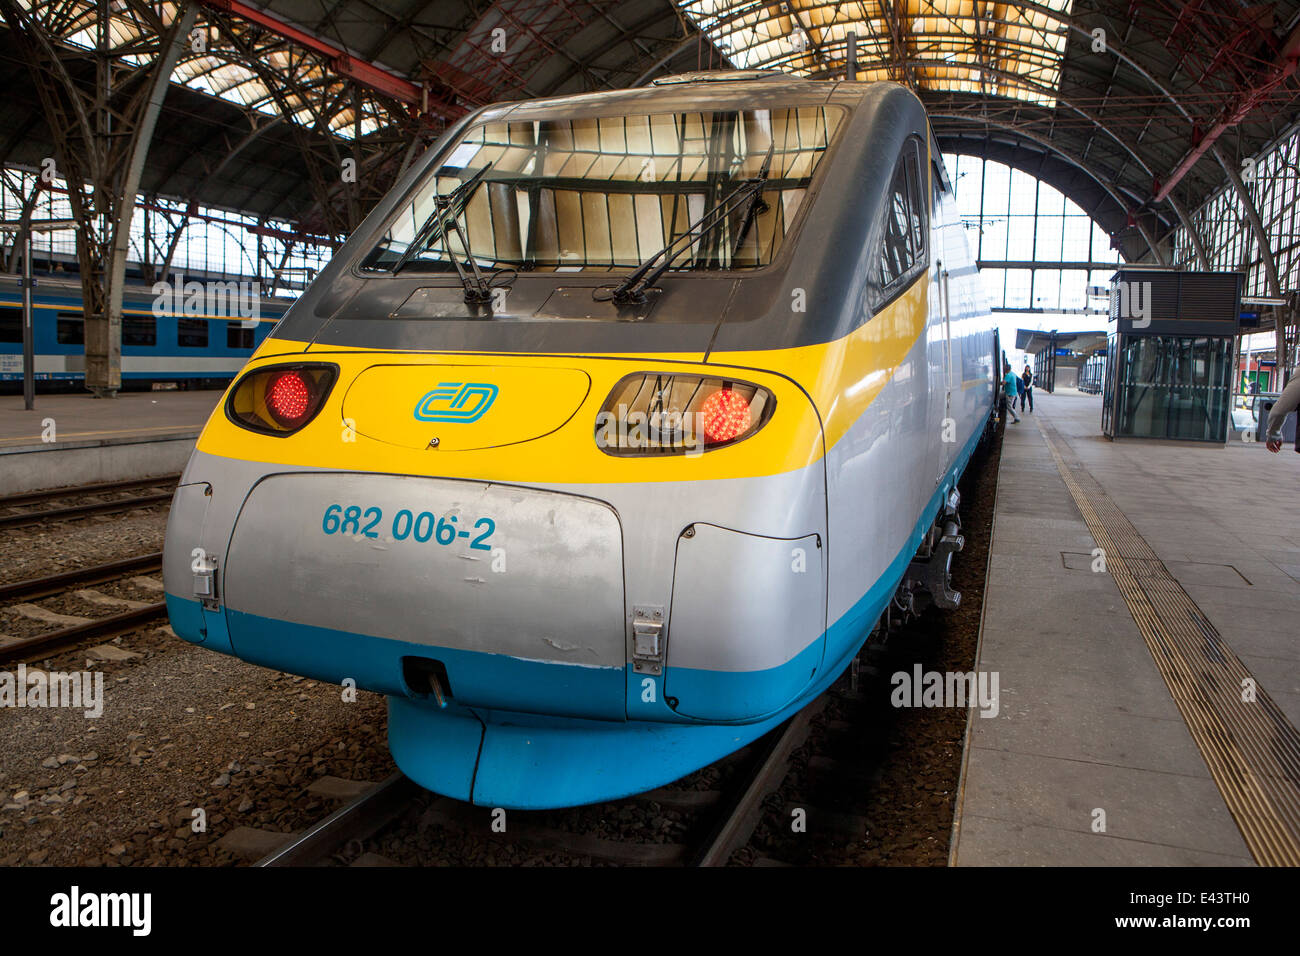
[947,428]
[950,258]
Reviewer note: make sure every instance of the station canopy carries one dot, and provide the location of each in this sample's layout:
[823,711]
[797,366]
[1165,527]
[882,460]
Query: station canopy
[952,45]
[1036,341]
[1139,113]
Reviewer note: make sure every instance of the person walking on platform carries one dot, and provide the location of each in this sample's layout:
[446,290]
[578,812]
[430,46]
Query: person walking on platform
[1010,388]
[1027,387]
[1287,403]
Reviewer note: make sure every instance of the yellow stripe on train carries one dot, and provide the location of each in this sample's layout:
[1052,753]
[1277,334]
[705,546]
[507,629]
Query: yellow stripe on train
[842,377]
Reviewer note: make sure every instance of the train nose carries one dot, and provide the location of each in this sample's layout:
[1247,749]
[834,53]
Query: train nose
[511,597]
[462,407]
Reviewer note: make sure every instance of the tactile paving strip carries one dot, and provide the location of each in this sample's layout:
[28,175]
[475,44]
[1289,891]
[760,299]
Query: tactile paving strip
[1251,749]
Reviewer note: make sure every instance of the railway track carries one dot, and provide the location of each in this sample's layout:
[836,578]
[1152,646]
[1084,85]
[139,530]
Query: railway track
[730,817]
[836,764]
[23,517]
[103,628]
[357,820]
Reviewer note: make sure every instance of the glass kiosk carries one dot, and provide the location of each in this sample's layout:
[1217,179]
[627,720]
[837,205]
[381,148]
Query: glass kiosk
[1171,347]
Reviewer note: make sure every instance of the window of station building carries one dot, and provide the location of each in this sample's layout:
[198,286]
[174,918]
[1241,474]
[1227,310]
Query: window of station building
[1034,245]
[905,221]
[139,330]
[192,333]
[11,325]
[71,328]
[238,337]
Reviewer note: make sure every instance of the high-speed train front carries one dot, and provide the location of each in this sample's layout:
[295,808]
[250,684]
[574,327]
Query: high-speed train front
[543,454]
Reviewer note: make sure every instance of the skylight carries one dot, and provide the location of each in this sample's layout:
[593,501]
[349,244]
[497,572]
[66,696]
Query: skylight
[973,46]
[217,71]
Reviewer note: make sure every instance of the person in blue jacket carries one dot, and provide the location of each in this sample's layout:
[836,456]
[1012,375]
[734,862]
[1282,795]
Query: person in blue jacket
[1010,388]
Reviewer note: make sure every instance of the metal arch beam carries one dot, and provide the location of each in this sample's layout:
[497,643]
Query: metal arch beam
[679,48]
[399,25]
[625,34]
[1198,243]
[274,85]
[142,138]
[1123,197]
[1076,186]
[1066,21]
[513,76]
[20,23]
[1256,223]
[888,8]
[1196,239]
[367,74]
[208,176]
[1279,71]
[25,222]
[629,34]
[1047,144]
[1070,23]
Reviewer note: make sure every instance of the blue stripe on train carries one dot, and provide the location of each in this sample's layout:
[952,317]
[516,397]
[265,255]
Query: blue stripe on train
[527,761]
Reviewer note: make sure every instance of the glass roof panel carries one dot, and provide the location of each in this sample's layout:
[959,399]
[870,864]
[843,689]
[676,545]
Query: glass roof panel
[947,45]
[218,72]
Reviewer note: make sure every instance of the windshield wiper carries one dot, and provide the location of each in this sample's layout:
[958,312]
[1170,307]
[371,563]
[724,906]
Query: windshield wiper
[632,290]
[450,204]
[476,287]
[756,206]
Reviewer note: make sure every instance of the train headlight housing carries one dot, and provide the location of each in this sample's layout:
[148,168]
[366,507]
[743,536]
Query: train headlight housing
[280,399]
[658,413]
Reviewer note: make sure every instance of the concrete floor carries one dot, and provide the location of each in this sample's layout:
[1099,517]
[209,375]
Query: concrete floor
[73,439]
[79,417]
[1086,722]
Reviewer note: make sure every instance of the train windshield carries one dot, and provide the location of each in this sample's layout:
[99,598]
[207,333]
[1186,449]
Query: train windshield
[597,194]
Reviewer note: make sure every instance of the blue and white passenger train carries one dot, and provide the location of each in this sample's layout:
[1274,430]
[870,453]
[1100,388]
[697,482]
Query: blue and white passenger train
[200,340]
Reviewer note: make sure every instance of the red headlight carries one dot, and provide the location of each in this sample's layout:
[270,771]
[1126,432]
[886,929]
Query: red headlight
[726,416]
[280,399]
[288,399]
[661,413]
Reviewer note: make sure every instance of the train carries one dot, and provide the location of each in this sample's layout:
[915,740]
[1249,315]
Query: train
[197,337]
[609,437]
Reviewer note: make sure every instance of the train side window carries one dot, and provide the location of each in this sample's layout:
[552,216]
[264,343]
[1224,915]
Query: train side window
[238,337]
[192,333]
[139,330]
[896,254]
[905,220]
[918,227]
[71,328]
[11,325]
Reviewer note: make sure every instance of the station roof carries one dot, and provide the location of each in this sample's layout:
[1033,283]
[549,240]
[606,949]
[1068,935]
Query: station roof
[1136,112]
[1035,341]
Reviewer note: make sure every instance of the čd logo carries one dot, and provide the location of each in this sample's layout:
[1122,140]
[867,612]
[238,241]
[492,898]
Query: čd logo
[462,402]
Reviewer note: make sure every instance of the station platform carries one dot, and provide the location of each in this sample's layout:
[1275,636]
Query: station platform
[72,438]
[1148,707]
